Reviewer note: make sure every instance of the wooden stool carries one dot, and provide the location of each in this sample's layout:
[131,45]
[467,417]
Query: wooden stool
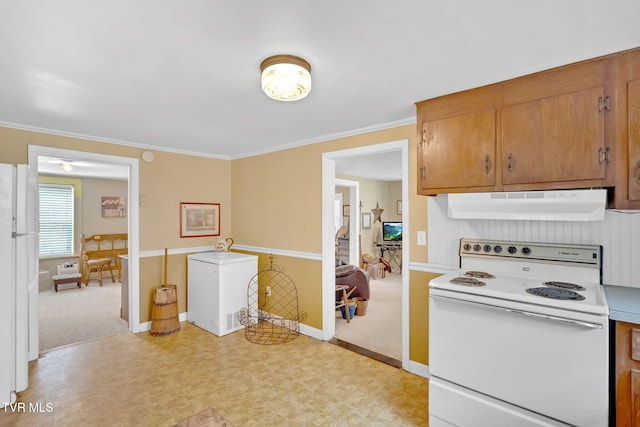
[60,279]
[98,265]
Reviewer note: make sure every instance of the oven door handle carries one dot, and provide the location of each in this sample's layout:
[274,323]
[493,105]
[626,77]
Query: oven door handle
[526,313]
[560,319]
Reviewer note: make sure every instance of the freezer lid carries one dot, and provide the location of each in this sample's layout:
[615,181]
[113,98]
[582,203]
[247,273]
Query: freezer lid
[222,257]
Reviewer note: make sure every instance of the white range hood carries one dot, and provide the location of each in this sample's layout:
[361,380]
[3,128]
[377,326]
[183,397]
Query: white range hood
[556,205]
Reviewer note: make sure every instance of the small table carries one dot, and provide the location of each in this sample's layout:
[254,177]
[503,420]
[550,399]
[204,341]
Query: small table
[61,279]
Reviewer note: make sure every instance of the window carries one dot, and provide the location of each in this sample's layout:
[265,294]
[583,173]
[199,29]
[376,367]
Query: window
[56,220]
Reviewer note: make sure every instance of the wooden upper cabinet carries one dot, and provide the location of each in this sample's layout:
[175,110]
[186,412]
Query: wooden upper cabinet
[549,130]
[633,126]
[555,139]
[457,142]
[458,151]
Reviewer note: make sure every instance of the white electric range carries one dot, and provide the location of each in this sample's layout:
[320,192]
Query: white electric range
[519,336]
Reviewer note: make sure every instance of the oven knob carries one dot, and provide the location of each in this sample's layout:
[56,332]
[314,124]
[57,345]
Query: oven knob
[487,248]
[512,249]
[497,249]
[466,247]
[526,250]
[477,247]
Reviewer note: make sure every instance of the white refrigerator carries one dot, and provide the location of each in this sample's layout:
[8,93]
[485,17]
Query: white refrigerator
[18,279]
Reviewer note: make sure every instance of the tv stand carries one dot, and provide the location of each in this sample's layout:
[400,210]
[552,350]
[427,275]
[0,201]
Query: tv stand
[391,252]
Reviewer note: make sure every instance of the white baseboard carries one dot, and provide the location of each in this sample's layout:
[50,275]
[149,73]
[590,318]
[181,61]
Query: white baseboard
[419,369]
[146,326]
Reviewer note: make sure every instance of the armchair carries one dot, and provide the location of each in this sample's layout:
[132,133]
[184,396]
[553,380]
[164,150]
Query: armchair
[353,277]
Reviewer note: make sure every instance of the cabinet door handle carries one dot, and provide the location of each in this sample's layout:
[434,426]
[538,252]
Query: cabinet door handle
[638,178]
[423,172]
[510,162]
[487,164]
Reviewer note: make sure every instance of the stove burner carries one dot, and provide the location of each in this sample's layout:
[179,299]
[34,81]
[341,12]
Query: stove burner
[555,293]
[565,285]
[466,281]
[479,275]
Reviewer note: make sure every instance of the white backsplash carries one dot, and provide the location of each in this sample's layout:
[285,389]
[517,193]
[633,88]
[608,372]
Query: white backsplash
[618,234]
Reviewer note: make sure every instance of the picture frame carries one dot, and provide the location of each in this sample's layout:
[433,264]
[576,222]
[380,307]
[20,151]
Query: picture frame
[366,220]
[113,207]
[199,219]
[399,208]
[346,210]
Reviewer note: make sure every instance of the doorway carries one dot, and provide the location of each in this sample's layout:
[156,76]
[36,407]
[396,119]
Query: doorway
[132,223]
[329,161]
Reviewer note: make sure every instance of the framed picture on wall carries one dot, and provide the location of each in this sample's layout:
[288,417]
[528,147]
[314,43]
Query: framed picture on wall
[199,219]
[366,220]
[113,207]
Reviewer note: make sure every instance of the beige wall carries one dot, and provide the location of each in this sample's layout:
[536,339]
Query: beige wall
[384,194]
[88,216]
[167,181]
[275,200]
[91,202]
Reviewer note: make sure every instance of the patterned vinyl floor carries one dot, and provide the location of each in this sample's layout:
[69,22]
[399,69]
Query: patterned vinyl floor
[140,380]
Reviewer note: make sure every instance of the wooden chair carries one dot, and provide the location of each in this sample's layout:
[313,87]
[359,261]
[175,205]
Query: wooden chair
[344,300]
[102,252]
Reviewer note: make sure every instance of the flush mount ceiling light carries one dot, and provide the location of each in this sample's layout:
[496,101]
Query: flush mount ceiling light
[286,77]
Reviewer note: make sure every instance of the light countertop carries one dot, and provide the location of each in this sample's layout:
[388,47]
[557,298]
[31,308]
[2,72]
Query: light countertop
[624,303]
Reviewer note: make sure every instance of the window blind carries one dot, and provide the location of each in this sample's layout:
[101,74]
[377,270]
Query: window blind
[56,220]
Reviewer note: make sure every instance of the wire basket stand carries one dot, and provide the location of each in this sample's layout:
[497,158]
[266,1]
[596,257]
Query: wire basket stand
[272,315]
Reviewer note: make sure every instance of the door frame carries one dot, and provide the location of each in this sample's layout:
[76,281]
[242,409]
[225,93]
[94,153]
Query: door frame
[132,219]
[354,218]
[328,238]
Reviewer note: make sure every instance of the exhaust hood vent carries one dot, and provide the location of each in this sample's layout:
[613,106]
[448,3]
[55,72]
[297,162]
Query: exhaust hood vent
[557,205]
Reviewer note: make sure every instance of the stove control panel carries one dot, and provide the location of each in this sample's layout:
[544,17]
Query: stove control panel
[559,252]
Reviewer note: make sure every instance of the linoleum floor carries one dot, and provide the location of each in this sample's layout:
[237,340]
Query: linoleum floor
[140,380]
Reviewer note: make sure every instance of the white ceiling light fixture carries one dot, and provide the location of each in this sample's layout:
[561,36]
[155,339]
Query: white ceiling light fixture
[286,77]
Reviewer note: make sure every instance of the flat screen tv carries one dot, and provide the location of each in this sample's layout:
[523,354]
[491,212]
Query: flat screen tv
[392,231]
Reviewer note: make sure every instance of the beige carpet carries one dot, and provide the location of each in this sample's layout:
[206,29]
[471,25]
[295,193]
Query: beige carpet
[380,329]
[207,418]
[74,315]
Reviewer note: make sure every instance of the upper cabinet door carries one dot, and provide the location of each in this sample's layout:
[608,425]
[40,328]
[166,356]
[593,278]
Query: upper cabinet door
[633,102]
[458,152]
[555,139]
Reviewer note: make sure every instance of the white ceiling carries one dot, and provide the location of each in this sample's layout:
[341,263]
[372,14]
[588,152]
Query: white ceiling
[183,76]
[81,168]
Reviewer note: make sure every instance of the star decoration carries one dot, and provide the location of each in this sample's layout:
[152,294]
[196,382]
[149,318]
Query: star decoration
[377,213]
